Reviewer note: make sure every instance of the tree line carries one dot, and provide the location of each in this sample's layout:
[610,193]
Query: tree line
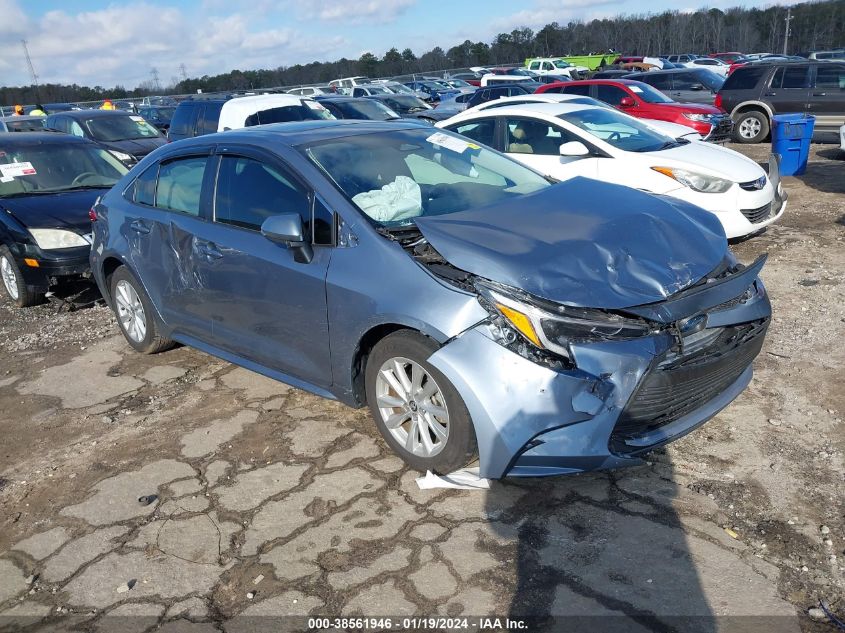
[814,25]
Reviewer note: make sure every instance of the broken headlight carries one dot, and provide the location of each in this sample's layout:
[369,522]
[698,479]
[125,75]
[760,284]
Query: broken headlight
[552,327]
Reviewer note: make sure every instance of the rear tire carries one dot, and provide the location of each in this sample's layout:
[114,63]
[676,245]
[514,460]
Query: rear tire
[417,410]
[752,126]
[135,314]
[13,282]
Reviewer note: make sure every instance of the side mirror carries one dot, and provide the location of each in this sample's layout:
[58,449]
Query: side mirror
[696,87]
[627,102]
[574,148]
[286,229]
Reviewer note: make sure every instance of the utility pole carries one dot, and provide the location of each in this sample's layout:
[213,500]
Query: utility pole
[31,70]
[786,35]
[156,83]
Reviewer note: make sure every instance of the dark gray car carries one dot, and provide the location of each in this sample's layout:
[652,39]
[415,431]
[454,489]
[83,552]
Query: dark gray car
[472,304]
[686,85]
[754,93]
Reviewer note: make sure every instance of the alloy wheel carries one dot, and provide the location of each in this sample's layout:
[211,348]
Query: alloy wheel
[749,128]
[10,279]
[130,311]
[412,407]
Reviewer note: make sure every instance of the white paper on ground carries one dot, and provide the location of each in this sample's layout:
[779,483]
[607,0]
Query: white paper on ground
[463,479]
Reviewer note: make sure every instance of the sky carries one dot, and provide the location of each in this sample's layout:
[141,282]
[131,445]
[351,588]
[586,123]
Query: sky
[100,43]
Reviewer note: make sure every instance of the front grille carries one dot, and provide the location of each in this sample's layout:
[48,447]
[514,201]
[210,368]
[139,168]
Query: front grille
[721,132]
[759,214]
[680,383]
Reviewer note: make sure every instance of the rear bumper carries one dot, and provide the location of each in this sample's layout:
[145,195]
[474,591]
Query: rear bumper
[531,420]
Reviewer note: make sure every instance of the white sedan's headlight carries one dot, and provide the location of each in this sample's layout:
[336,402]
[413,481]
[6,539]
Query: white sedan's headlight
[695,181]
[126,158]
[49,239]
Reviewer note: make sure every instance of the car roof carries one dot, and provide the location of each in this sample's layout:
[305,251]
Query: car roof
[529,109]
[21,117]
[590,82]
[88,114]
[11,141]
[667,71]
[299,132]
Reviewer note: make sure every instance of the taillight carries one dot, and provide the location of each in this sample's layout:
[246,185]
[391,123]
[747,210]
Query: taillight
[92,214]
[718,101]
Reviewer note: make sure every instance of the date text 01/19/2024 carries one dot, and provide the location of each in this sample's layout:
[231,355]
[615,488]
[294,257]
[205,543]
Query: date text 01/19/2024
[412,623]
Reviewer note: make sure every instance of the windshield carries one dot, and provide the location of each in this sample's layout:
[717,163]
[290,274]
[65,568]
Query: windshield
[50,168]
[366,109]
[649,93]
[401,89]
[164,114]
[406,103]
[559,63]
[619,130]
[394,177]
[458,83]
[25,125]
[120,128]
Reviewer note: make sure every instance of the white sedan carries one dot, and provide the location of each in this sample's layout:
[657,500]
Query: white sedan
[564,140]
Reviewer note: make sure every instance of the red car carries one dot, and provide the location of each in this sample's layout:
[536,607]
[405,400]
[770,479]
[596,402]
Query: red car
[728,58]
[645,102]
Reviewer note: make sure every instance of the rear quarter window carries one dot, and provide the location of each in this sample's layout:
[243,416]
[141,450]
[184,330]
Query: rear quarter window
[181,123]
[745,78]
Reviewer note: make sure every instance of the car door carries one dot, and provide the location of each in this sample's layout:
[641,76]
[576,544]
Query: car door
[169,206]
[789,89]
[536,143]
[827,96]
[259,302]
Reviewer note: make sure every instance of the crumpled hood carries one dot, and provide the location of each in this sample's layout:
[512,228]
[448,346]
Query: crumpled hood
[710,158]
[135,147]
[58,210]
[583,243]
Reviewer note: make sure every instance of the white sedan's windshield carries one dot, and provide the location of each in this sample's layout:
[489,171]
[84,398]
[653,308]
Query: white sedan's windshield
[394,177]
[616,129]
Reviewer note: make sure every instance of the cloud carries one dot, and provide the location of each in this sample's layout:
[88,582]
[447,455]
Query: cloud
[121,43]
[545,12]
[368,11]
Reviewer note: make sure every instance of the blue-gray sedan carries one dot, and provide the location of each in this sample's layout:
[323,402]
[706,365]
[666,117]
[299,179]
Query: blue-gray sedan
[473,305]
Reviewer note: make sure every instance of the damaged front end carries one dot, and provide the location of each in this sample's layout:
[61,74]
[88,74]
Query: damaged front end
[555,389]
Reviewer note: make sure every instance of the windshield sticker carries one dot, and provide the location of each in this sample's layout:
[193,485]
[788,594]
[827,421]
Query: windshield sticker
[314,105]
[17,169]
[635,89]
[451,143]
[137,118]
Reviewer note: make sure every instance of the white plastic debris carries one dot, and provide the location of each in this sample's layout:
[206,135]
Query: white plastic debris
[463,479]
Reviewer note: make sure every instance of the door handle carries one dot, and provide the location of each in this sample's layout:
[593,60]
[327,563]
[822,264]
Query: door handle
[771,94]
[139,227]
[210,250]
[819,94]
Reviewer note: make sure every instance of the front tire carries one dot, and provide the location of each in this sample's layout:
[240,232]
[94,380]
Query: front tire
[135,314]
[751,127]
[417,410]
[13,282]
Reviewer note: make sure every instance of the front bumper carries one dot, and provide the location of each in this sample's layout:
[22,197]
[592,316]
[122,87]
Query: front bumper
[53,266]
[531,420]
[720,131]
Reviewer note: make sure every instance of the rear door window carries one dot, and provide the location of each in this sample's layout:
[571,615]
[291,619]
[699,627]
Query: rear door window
[830,77]
[576,89]
[179,185]
[661,82]
[483,131]
[794,77]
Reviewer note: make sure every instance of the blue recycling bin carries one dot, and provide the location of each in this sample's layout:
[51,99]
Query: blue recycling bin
[791,136]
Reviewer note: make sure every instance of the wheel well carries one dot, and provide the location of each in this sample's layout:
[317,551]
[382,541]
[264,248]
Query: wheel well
[362,353]
[109,266]
[749,108]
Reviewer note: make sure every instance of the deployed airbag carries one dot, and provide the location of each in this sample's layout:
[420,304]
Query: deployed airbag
[398,200]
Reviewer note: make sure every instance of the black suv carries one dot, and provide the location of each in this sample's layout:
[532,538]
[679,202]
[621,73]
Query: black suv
[489,93]
[196,116]
[754,93]
[687,85]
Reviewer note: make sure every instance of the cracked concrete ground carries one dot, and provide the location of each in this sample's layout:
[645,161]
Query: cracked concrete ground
[179,493]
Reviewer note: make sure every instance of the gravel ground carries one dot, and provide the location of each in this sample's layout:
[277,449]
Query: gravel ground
[754,513]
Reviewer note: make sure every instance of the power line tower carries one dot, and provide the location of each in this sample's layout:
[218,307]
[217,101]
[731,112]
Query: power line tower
[31,69]
[183,72]
[786,34]
[156,82]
